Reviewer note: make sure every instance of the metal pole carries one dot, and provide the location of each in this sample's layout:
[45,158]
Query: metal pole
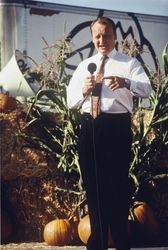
[12,30]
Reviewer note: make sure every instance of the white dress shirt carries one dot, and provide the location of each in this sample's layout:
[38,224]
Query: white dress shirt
[112,101]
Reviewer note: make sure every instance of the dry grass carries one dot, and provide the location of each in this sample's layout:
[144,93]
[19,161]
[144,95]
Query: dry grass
[17,159]
[30,194]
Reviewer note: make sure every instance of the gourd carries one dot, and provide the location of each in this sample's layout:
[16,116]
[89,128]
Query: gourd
[84,231]
[57,232]
[144,214]
[7,103]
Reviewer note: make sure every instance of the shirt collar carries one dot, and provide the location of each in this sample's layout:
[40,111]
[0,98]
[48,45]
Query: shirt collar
[110,55]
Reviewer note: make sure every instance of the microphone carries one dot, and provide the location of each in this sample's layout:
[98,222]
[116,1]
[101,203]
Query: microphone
[92,68]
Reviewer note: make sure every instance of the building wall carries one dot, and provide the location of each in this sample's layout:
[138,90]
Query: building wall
[30,24]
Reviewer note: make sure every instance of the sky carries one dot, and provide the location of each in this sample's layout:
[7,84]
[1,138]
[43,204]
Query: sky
[152,7]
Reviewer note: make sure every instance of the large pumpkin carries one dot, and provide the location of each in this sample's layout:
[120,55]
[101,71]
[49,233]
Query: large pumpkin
[84,231]
[7,103]
[143,213]
[57,232]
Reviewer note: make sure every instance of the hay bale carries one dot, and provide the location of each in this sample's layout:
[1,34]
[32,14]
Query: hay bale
[33,202]
[17,158]
[31,193]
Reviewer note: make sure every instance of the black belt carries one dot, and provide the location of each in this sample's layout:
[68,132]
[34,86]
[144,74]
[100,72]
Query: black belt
[102,114]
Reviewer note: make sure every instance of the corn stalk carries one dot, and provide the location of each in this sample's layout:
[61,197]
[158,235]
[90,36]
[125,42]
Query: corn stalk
[55,127]
[151,138]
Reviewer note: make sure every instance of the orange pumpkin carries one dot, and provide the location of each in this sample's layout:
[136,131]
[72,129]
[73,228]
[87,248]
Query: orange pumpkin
[7,103]
[143,213]
[84,231]
[57,232]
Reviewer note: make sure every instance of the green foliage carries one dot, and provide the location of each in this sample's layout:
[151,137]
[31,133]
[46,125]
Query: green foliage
[54,127]
[150,131]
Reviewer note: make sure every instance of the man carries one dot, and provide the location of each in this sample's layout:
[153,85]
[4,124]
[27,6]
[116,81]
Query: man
[105,140]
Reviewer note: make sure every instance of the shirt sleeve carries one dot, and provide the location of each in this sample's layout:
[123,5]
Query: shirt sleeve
[74,90]
[140,83]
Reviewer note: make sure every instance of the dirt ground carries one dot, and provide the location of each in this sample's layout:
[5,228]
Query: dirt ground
[37,246]
[44,246]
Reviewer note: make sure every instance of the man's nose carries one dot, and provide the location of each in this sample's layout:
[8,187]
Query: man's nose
[102,39]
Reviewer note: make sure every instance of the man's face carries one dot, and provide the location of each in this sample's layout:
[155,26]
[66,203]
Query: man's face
[103,38]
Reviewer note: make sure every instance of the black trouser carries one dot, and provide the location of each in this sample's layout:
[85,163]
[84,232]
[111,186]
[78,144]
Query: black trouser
[104,153]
